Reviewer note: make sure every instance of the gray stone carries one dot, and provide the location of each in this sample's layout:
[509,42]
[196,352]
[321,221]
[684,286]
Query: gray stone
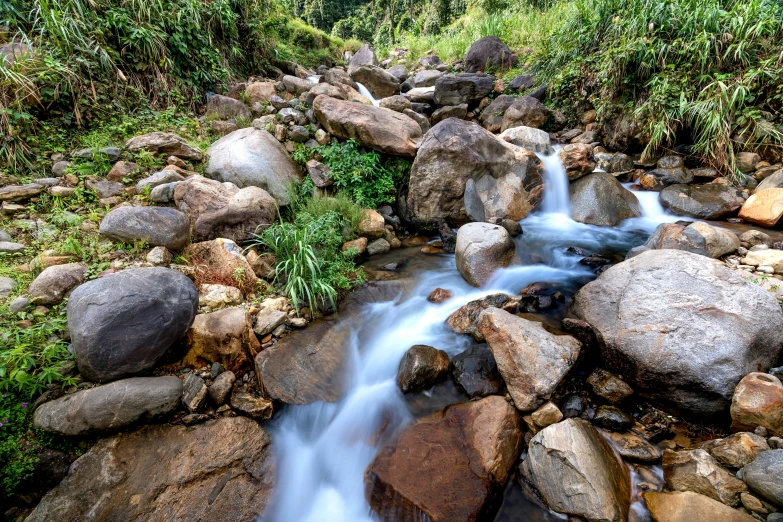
[19,304]
[710,201]
[525,111]
[5,236]
[450,111]
[481,250]
[123,323]
[53,284]
[599,199]
[159,178]
[379,246]
[164,143]
[106,188]
[296,86]
[532,139]
[58,169]
[164,193]
[158,226]
[109,407]
[491,54]
[454,89]
[763,475]
[380,83]
[9,247]
[364,56]
[221,387]
[289,115]
[20,192]
[492,116]
[7,286]
[194,392]
[267,320]
[396,103]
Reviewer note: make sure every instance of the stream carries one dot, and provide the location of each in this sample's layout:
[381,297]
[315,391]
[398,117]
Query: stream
[323,449]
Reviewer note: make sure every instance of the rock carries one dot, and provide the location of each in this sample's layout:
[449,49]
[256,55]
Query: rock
[608,386]
[109,407]
[633,447]
[124,169]
[421,367]
[525,111]
[664,176]
[426,78]
[477,373]
[20,192]
[463,172]
[546,415]
[481,250]
[105,188]
[676,236]
[224,336]
[576,472]
[59,168]
[7,286]
[664,316]
[770,258]
[439,295]
[421,95]
[20,304]
[746,161]
[159,178]
[449,111]
[396,103]
[296,86]
[163,193]
[251,403]
[718,241]
[578,160]
[290,116]
[379,246]
[251,157]
[763,476]
[219,296]
[340,92]
[224,472]
[399,72]
[224,108]
[380,129]
[162,143]
[123,323]
[599,199]
[521,82]
[221,260]
[338,76]
[221,387]
[159,256]
[490,54]
[221,210]
[364,56]
[54,283]
[465,319]
[10,247]
[194,392]
[708,201]
[687,506]
[531,139]
[468,448]
[380,83]
[359,245]
[613,163]
[454,89]
[492,116]
[267,320]
[773,181]
[697,471]
[613,418]
[736,450]
[531,360]
[260,92]
[758,401]
[372,225]
[764,207]
[158,226]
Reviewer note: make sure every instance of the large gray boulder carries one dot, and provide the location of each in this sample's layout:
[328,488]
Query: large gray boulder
[710,201]
[123,323]
[763,475]
[380,83]
[454,89]
[109,407]
[481,250]
[599,199]
[364,56]
[681,328]
[463,172]
[489,54]
[251,157]
[577,472]
[158,226]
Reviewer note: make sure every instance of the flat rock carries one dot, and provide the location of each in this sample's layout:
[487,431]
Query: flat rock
[710,201]
[697,471]
[633,447]
[10,247]
[687,506]
[454,89]
[158,226]
[20,192]
[163,143]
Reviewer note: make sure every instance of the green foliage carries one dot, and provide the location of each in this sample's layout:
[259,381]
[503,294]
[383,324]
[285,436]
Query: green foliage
[17,463]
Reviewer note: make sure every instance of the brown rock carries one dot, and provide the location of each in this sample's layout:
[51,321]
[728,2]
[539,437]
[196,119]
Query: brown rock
[577,159]
[608,386]
[449,466]
[263,265]
[758,401]
[319,173]
[697,471]
[372,225]
[632,447]
[736,450]
[465,319]
[359,244]
[421,367]
[690,507]
[56,282]
[764,208]
[164,143]
[252,404]
[260,92]
[221,261]
[481,250]
[225,336]
[546,415]
[439,295]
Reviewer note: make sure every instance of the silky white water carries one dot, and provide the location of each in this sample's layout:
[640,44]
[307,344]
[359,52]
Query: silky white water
[324,449]
[364,91]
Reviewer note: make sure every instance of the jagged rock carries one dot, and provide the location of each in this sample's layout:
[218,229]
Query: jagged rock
[709,201]
[633,447]
[449,111]
[481,250]
[454,89]
[492,116]
[665,316]
[599,199]
[194,392]
[268,320]
[109,407]
[123,323]
[296,86]
[525,111]
[736,450]
[224,336]
[163,143]
[521,82]
[758,401]
[421,367]
[364,56]
[468,448]
[53,284]
[252,404]
[531,360]
[687,506]
[697,471]
[224,472]
[612,418]
[465,319]
[477,373]
[578,160]
[764,207]
[490,54]
[124,169]
[221,388]
[158,226]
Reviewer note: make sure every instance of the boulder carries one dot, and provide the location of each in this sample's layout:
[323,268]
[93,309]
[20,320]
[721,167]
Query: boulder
[477,373]
[260,92]
[109,407]
[319,173]
[746,161]
[426,78]
[53,284]
[492,116]
[624,132]
[225,108]
[697,238]
[251,157]
[295,85]
[364,56]
[481,250]
[396,103]
[534,140]
[525,111]
[710,201]
[613,163]
[736,450]
[338,76]
[123,323]
[686,506]
[662,177]
[454,89]
[221,261]
[220,209]
[465,319]
[380,129]
[758,401]
[380,83]
[462,172]
[163,143]
[531,360]
[599,199]
[399,72]
[763,476]
[489,54]
[774,180]
[719,241]
[224,336]
[372,225]
[339,91]
[577,473]
[764,207]
[449,111]
[421,367]
[466,448]
[681,328]
[224,472]
[521,82]
[697,471]
[158,226]
[578,160]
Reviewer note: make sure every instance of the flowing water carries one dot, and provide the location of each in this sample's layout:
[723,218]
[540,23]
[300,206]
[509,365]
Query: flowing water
[323,449]
[364,91]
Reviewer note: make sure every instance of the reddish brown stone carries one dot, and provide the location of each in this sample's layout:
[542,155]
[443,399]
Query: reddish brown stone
[439,295]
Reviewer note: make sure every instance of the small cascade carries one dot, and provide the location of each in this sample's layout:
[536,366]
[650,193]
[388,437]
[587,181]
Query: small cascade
[314,78]
[364,91]
[556,197]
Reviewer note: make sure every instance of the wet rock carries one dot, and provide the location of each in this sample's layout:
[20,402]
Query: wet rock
[439,295]
[571,456]
[573,406]
[531,360]
[468,448]
[763,476]
[687,506]
[492,116]
[465,319]
[736,450]
[251,404]
[194,392]
[647,312]
[599,199]
[491,54]
[54,283]
[481,250]
[758,401]
[546,415]
[123,323]
[613,419]
[225,336]
[613,163]
[578,160]
[378,81]
[224,472]
[608,386]
[380,129]
[221,387]
[525,111]
[163,143]
[421,367]
[632,447]
[671,171]
[454,89]
[109,407]
[477,373]
[251,157]
[158,226]
[697,471]
[709,201]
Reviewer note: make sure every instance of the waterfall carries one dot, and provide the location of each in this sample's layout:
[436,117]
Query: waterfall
[367,94]
[556,197]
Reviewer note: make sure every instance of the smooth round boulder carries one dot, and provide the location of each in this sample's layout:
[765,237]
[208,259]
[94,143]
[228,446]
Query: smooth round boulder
[482,249]
[421,366]
[599,199]
[123,323]
[490,54]
[158,226]
[710,201]
[681,329]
